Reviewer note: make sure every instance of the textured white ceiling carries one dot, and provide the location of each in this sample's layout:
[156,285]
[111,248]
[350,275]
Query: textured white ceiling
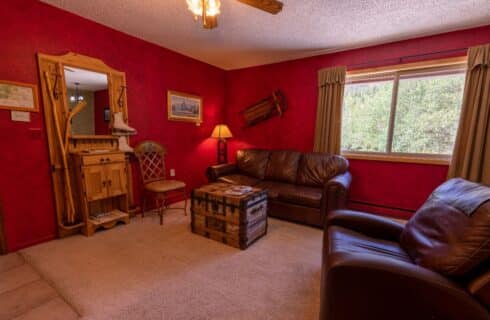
[87,80]
[246,36]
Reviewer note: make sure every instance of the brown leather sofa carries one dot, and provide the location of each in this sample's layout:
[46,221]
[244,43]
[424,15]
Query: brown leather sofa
[437,266]
[302,187]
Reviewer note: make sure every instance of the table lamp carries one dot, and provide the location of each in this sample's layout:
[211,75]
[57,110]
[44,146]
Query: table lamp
[222,132]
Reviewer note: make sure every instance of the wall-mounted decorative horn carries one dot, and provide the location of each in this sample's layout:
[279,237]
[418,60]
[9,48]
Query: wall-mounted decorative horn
[56,93]
[120,101]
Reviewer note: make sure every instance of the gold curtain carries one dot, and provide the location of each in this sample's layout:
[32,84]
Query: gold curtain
[329,111]
[471,156]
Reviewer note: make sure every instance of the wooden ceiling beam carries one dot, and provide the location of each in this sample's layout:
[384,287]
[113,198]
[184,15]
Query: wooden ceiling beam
[271,6]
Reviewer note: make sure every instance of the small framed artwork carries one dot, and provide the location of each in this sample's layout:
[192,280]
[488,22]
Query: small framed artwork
[107,114]
[184,107]
[18,96]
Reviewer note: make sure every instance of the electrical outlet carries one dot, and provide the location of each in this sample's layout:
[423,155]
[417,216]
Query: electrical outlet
[172,172]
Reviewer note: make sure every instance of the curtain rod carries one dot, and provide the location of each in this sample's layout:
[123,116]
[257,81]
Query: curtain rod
[400,59]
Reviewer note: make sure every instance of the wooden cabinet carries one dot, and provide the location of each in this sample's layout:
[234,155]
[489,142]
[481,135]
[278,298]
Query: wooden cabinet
[104,180]
[102,185]
[94,182]
[116,179]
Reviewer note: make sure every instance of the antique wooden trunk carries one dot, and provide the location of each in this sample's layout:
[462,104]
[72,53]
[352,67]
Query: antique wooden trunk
[237,220]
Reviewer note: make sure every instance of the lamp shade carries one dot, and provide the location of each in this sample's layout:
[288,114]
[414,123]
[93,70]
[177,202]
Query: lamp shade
[221,131]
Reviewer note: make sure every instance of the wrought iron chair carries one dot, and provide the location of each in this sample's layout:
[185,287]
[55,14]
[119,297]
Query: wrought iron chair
[151,158]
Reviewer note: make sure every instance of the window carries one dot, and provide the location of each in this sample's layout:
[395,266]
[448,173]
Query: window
[409,113]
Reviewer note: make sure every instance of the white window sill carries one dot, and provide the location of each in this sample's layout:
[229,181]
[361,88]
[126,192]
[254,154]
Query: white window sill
[442,160]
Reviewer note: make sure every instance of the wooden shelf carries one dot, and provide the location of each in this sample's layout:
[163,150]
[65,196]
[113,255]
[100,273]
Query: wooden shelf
[93,137]
[115,214]
[95,152]
[107,221]
[108,197]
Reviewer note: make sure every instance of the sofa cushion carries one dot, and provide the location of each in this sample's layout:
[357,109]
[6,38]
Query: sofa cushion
[252,162]
[342,240]
[290,193]
[283,166]
[450,233]
[315,168]
[239,179]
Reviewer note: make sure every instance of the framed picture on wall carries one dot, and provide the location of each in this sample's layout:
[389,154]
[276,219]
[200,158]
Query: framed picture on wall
[184,107]
[18,96]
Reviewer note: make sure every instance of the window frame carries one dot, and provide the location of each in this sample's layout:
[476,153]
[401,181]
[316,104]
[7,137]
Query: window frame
[395,72]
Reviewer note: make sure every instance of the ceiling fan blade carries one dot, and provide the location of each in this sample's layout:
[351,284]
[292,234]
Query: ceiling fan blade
[271,6]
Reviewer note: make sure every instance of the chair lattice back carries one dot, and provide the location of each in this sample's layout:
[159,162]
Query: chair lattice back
[151,158]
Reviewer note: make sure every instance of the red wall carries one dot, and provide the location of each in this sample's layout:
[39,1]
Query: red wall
[379,184]
[101,102]
[29,27]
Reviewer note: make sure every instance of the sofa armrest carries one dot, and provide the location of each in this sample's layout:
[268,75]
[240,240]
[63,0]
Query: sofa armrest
[341,181]
[214,172]
[365,286]
[335,193]
[366,223]
[480,288]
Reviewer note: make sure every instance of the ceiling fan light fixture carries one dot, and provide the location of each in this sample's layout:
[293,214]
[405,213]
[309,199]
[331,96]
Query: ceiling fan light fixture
[207,9]
[195,6]
[212,8]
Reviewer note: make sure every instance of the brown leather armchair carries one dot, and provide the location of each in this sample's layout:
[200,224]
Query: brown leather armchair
[434,267]
[302,187]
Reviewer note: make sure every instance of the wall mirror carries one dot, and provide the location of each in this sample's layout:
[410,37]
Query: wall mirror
[92,88]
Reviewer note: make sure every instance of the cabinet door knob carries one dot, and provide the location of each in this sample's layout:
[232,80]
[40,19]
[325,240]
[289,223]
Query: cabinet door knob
[101,159]
[107,159]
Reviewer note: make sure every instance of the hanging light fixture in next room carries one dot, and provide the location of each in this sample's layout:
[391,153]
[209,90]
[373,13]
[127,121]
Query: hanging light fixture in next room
[77,97]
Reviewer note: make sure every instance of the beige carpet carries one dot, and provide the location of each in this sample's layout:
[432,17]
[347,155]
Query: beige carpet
[146,271]
[24,295]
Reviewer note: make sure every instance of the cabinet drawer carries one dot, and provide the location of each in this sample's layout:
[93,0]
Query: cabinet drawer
[103,158]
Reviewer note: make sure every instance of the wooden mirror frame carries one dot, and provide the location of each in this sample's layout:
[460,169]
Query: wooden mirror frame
[61,142]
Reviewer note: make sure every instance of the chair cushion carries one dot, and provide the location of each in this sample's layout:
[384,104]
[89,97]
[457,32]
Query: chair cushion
[252,162]
[164,185]
[342,240]
[283,166]
[239,179]
[300,195]
[450,233]
[315,168]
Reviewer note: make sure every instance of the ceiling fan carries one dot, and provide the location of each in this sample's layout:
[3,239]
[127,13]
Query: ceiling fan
[210,9]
